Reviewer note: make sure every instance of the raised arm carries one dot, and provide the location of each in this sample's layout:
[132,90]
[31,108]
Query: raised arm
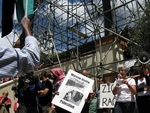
[26,25]
[15,61]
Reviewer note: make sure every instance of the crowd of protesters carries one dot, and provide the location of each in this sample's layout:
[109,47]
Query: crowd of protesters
[129,92]
[35,93]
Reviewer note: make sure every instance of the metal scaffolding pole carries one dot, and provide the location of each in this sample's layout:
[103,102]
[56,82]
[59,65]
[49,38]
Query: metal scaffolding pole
[75,23]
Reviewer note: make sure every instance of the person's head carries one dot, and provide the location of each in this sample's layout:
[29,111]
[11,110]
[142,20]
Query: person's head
[57,74]
[92,95]
[85,73]
[28,78]
[143,69]
[101,80]
[44,75]
[5,93]
[30,74]
[122,71]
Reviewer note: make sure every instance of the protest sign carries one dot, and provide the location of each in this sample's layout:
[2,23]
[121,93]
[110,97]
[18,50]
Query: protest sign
[107,99]
[73,92]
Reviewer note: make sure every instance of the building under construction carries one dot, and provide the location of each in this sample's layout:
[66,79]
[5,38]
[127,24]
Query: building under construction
[85,34]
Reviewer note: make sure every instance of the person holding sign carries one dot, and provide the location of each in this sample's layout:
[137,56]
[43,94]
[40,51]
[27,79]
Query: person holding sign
[57,75]
[124,90]
[85,108]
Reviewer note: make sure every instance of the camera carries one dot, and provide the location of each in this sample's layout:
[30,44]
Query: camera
[26,90]
[29,78]
[15,89]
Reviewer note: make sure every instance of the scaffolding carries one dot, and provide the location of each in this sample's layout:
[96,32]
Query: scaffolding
[64,27]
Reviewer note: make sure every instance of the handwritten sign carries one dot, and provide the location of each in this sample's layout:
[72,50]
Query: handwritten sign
[107,99]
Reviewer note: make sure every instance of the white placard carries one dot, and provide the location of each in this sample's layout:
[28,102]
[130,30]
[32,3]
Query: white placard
[73,92]
[107,99]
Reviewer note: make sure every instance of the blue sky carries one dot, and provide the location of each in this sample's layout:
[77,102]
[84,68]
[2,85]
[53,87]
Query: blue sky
[120,13]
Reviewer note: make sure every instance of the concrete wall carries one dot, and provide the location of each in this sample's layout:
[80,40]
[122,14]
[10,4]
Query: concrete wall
[92,61]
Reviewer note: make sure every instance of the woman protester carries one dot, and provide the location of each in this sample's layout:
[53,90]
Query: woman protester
[143,88]
[125,91]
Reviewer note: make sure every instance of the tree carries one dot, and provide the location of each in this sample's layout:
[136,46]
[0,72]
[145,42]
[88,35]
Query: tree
[141,34]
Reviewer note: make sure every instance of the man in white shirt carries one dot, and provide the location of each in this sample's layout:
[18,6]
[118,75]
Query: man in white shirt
[16,61]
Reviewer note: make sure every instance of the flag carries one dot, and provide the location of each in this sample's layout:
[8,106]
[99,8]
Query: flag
[8,11]
[20,8]
[7,14]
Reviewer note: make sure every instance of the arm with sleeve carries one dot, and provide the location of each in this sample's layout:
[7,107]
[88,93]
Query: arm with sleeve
[14,61]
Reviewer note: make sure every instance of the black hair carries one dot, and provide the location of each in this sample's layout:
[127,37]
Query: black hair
[44,73]
[103,80]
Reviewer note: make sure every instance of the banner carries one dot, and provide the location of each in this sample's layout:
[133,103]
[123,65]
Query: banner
[107,99]
[73,92]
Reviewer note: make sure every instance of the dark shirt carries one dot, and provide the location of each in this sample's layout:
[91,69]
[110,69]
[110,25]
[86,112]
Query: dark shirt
[29,96]
[85,108]
[46,100]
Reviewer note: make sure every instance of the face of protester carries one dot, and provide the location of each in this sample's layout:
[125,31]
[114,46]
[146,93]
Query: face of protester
[41,77]
[52,76]
[142,70]
[57,75]
[122,72]
[5,93]
[100,81]
[85,73]
[92,94]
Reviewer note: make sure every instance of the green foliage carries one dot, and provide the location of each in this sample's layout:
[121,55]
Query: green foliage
[141,34]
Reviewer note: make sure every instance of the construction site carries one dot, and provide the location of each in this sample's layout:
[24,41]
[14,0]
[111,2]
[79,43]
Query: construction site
[85,34]
[92,35]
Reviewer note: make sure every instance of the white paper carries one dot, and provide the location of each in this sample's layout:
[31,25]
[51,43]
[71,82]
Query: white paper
[73,92]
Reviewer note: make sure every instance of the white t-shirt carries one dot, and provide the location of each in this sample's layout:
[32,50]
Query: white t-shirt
[124,93]
[141,83]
